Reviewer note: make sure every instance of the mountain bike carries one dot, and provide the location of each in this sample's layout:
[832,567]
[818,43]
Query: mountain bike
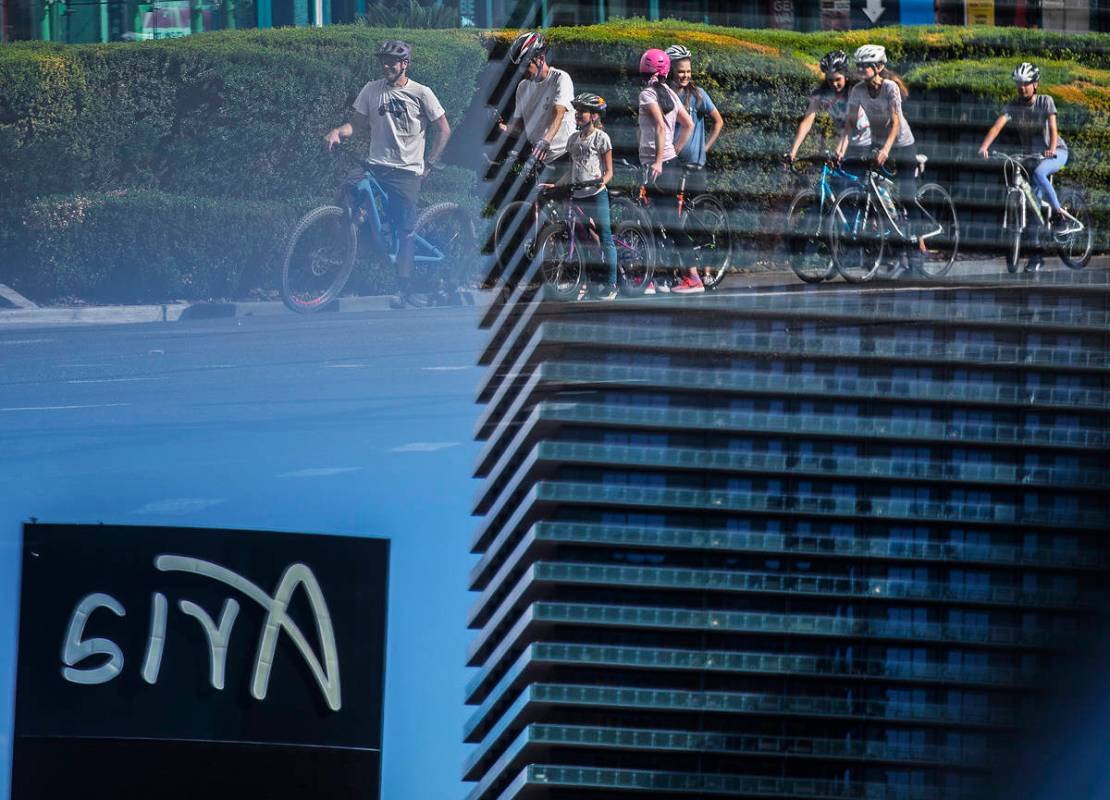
[563,246]
[320,253]
[867,215]
[517,226]
[806,231]
[1074,244]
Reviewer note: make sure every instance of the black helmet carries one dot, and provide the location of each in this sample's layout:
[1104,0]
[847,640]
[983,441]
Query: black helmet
[836,61]
[588,101]
[527,46]
[395,48]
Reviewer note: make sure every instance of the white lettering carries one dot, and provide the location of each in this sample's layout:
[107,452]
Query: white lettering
[76,650]
[218,636]
[156,643]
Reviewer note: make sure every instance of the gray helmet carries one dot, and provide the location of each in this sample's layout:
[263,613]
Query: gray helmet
[588,101]
[836,61]
[677,52]
[395,48]
[527,46]
[1026,73]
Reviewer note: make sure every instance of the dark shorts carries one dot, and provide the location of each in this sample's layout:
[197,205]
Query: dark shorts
[403,188]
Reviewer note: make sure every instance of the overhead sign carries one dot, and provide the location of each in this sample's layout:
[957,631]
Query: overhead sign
[234,662]
[980,12]
[875,13]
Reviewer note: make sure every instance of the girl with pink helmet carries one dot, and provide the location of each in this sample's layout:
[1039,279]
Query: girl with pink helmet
[660,113]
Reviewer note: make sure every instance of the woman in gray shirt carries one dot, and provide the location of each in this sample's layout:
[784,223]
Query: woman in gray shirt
[880,94]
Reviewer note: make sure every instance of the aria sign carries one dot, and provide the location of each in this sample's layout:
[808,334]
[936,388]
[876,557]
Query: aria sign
[171,651]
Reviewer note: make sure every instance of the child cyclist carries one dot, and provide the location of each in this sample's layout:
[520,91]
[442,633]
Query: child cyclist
[831,97]
[1034,115]
[591,161]
[661,111]
[699,106]
[880,94]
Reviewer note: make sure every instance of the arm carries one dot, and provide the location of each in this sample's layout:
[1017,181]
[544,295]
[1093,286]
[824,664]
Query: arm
[992,134]
[1054,137]
[686,122]
[849,129]
[718,126]
[540,152]
[804,128]
[358,124]
[442,134]
[660,138]
[606,167]
[892,137]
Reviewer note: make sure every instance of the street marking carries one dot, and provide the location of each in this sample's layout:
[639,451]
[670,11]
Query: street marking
[24,341]
[115,380]
[176,506]
[319,472]
[345,366]
[64,408]
[423,447]
[443,369]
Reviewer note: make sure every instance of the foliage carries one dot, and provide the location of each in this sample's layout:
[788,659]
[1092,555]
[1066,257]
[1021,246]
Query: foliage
[413,15]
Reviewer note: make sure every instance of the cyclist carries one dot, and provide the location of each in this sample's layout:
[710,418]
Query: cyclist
[1034,114]
[397,111]
[660,111]
[831,97]
[880,94]
[544,98]
[699,106]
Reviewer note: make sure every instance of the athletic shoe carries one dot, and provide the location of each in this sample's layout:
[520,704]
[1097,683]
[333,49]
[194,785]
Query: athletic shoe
[688,286]
[663,285]
[650,288]
[607,292]
[397,301]
[916,260]
[1035,262]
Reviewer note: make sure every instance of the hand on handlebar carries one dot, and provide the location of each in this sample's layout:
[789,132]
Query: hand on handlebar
[654,172]
[984,152]
[541,150]
[332,139]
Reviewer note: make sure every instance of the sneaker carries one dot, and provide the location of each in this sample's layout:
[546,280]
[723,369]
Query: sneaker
[663,285]
[1035,263]
[583,290]
[650,288]
[916,260]
[397,301]
[607,291]
[688,286]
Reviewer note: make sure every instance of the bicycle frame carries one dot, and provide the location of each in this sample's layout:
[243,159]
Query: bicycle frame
[1017,181]
[371,194]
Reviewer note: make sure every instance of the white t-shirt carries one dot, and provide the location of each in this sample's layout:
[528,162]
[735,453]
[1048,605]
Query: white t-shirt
[648,97]
[585,159]
[535,104]
[880,111]
[399,118]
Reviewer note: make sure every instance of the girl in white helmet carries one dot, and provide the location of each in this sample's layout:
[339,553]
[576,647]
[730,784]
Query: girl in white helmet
[1034,115]
[701,109]
[880,94]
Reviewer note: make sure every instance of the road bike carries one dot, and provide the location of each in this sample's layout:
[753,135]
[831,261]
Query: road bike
[806,231]
[1026,215]
[867,215]
[563,247]
[320,253]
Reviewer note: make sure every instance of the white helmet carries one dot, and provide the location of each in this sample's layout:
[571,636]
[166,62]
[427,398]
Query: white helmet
[1026,73]
[677,52]
[870,54]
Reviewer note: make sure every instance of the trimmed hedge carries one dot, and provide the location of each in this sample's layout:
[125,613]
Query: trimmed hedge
[219,130]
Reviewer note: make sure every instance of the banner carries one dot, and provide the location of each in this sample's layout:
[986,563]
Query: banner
[178,663]
[979,12]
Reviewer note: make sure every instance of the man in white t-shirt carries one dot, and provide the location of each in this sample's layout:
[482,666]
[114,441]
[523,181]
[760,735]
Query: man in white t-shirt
[543,100]
[396,112]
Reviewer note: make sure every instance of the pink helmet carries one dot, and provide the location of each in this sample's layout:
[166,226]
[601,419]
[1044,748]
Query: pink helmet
[655,62]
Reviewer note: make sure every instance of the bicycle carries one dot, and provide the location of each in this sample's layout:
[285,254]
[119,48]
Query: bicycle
[705,229]
[806,228]
[560,247]
[519,222]
[865,216]
[321,251]
[1074,245]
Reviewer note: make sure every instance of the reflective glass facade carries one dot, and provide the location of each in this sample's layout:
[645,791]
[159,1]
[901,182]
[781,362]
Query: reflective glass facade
[780,542]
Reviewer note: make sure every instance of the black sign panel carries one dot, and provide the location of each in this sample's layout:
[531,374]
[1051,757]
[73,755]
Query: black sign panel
[225,657]
[875,13]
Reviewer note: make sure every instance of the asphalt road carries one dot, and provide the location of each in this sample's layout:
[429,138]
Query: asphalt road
[342,423]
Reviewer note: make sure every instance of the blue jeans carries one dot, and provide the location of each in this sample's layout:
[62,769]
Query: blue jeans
[1042,173]
[597,208]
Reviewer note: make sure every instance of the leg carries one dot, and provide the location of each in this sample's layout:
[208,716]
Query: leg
[1041,177]
[603,219]
[403,189]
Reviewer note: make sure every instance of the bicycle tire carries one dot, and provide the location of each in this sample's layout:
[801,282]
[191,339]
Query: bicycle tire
[561,271]
[940,230]
[857,235]
[512,241]
[446,227]
[1075,249]
[1013,230]
[318,258]
[635,256]
[805,239]
[710,243]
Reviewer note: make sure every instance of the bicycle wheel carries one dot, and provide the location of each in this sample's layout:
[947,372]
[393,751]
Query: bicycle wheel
[562,266]
[318,259]
[512,234]
[443,255]
[804,235]
[705,222]
[938,228]
[635,256]
[858,236]
[1075,246]
[1012,230]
